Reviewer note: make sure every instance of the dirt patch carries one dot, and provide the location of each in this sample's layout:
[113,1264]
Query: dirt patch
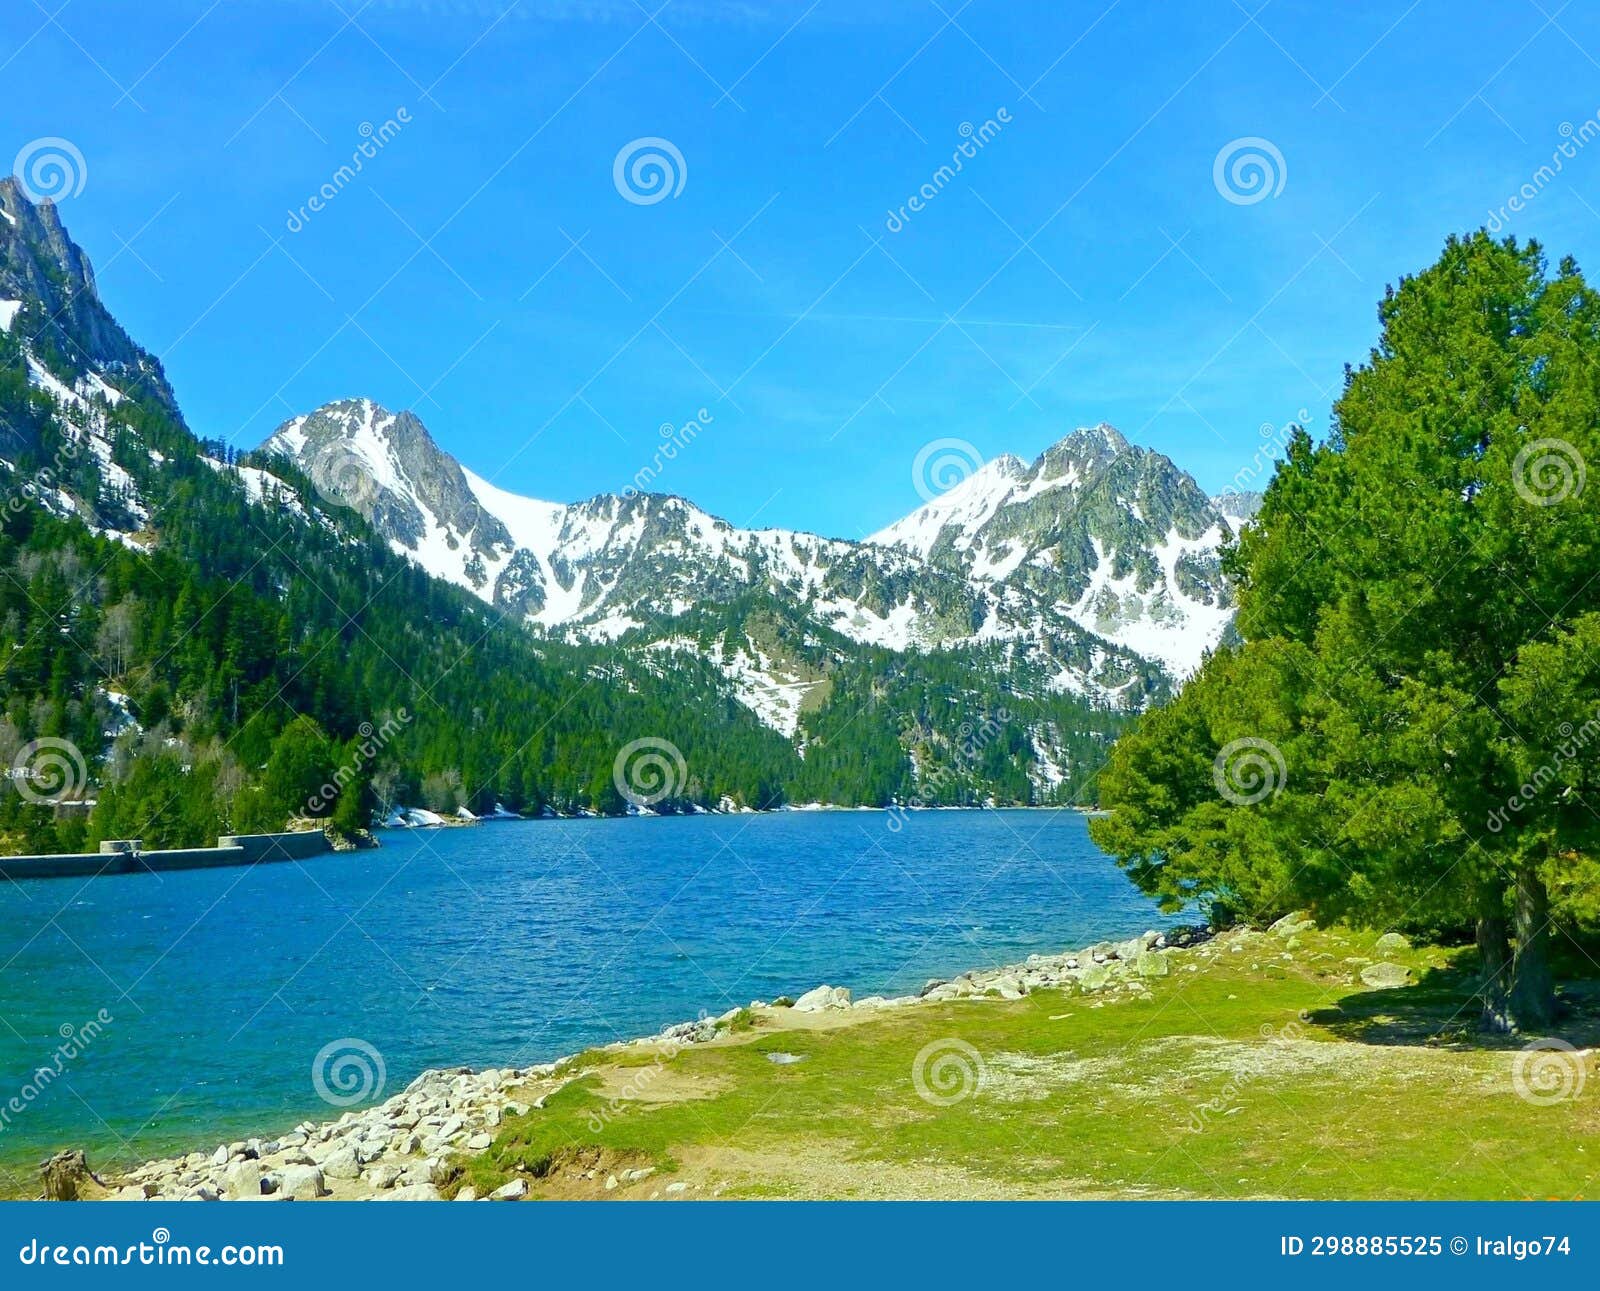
[827,1169]
[656,1083]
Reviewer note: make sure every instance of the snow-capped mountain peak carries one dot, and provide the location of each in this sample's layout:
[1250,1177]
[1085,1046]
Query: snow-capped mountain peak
[1112,534]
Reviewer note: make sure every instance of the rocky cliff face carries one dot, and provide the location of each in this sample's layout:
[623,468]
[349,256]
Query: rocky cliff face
[47,291]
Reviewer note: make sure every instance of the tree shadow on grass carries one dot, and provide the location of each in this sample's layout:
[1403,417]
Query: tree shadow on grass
[1441,1010]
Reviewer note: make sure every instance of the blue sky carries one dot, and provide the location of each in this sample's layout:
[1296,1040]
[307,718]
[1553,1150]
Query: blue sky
[485,270]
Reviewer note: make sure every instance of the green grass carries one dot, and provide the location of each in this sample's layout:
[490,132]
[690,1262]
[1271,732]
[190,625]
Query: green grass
[1263,1072]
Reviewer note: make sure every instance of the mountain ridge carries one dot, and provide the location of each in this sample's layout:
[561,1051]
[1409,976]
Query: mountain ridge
[617,564]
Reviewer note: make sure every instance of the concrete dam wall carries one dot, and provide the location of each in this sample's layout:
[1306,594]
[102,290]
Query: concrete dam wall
[127,856]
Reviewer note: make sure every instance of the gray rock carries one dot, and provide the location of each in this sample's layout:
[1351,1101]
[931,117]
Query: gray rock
[478,1142]
[468,1193]
[412,1192]
[1391,942]
[1008,987]
[823,997]
[1385,976]
[302,1182]
[382,1176]
[342,1163]
[242,1179]
[1154,966]
[513,1191]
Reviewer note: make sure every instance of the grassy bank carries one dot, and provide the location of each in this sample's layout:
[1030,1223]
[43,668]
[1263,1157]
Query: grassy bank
[1260,1066]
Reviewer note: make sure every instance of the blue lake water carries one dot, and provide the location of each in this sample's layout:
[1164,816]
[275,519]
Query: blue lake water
[506,944]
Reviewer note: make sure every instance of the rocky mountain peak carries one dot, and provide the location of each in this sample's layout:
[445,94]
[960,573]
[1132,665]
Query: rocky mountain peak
[48,288]
[386,466]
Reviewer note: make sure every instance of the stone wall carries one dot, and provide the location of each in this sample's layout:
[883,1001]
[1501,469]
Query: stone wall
[296,846]
[120,856]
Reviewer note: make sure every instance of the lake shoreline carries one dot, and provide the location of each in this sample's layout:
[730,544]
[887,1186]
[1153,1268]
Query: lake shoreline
[406,1147]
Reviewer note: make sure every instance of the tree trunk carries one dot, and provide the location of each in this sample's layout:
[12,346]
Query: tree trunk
[65,1175]
[1533,996]
[1494,951]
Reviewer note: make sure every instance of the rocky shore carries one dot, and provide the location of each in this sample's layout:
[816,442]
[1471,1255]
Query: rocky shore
[410,1147]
